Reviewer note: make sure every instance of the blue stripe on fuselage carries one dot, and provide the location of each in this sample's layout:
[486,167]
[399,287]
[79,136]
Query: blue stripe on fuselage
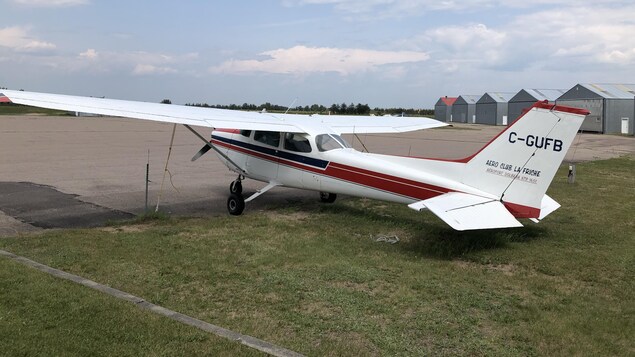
[275,152]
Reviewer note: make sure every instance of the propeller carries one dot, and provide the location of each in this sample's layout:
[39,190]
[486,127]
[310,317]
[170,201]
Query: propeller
[201,152]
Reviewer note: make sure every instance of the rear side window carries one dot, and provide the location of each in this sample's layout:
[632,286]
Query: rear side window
[296,142]
[271,138]
[245,133]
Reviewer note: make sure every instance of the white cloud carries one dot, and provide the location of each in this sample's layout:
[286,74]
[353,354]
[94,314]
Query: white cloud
[92,61]
[377,9]
[18,39]
[137,63]
[589,35]
[470,37]
[566,39]
[89,54]
[300,60]
[454,47]
[404,8]
[50,3]
[147,63]
[148,69]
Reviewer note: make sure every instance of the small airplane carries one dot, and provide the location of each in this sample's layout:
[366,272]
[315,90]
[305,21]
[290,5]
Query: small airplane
[505,180]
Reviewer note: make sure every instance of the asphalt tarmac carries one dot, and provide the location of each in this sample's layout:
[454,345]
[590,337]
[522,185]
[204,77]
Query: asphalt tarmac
[85,171]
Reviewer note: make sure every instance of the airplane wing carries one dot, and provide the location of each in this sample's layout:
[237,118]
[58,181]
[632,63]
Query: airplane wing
[463,211]
[220,118]
[208,117]
[354,124]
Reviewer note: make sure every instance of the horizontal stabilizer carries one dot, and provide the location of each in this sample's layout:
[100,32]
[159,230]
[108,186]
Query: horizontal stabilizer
[547,206]
[463,211]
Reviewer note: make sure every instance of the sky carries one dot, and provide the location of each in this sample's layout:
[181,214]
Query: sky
[385,53]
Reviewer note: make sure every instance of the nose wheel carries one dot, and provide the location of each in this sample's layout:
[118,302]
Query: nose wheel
[235,204]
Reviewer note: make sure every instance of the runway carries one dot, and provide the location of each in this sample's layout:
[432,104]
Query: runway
[101,163]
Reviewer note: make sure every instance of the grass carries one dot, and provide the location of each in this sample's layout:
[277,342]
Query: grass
[15,109]
[42,315]
[312,278]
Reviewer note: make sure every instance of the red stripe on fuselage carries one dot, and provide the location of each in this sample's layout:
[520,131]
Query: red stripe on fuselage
[393,184]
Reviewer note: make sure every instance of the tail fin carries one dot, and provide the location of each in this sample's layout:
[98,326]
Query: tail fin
[519,164]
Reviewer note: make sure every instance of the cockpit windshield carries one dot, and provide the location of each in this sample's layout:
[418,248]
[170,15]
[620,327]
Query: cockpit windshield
[326,142]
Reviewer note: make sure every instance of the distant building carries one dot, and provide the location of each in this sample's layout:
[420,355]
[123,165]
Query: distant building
[527,97]
[464,109]
[491,108]
[611,106]
[443,108]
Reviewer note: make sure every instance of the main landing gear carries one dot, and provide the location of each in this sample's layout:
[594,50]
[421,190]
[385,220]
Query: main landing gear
[236,201]
[327,197]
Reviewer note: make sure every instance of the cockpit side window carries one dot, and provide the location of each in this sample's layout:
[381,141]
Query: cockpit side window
[326,142]
[296,142]
[271,138]
[342,142]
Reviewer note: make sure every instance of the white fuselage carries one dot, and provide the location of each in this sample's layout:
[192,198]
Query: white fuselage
[337,169]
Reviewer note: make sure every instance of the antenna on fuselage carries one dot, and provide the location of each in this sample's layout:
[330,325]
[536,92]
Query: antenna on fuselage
[290,105]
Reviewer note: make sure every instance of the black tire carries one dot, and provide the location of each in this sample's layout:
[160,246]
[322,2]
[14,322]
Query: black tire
[327,197]
[235,204]
[236,187]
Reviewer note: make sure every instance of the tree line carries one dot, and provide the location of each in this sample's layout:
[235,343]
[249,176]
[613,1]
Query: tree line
[335,109]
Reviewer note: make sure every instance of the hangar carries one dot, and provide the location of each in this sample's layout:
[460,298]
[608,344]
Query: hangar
[464,109]
[612,106]
[527,97]
[443,108]
[491,108]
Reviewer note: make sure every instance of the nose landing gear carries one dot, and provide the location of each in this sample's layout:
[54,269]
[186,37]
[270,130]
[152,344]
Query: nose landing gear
[236,201]
[236,187]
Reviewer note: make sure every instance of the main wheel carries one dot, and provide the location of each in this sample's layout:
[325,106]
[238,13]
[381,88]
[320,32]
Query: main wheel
[327,197]
[236,187]
[235,204]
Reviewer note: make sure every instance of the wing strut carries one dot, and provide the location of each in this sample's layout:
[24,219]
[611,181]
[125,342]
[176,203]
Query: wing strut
[216,149]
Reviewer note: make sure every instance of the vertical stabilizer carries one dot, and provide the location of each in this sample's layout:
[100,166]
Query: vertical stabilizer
[519,164]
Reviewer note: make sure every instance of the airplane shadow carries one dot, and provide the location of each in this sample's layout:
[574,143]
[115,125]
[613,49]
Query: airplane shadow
[443,242]
[427,235]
